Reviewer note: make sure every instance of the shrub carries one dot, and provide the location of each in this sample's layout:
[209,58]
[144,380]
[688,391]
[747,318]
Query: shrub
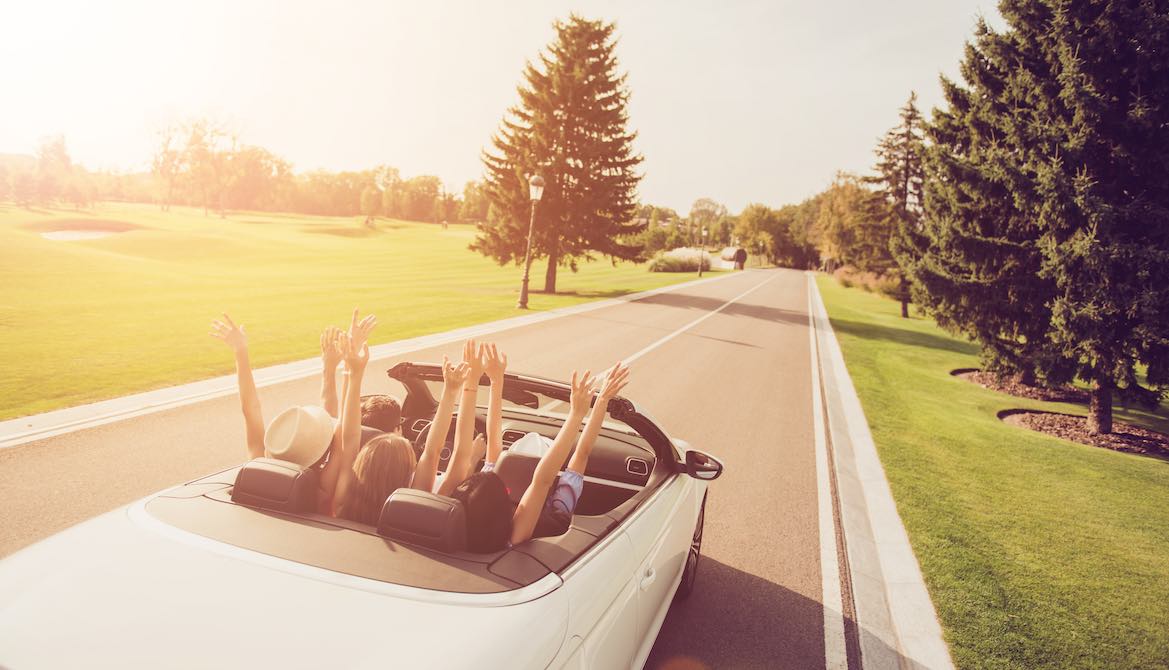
[679,260]
[886,284]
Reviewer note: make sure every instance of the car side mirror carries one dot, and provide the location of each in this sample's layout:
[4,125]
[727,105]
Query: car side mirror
[703,466]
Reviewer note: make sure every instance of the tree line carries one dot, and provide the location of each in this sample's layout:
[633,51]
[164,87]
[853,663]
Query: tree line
[200,163]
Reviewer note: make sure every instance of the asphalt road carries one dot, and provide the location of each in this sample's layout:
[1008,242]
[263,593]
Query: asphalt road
[738,384]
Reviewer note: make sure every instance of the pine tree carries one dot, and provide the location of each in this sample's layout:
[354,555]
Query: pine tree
[1060,191]
[570,127]
[1097,115]
[974,259]
[899,180]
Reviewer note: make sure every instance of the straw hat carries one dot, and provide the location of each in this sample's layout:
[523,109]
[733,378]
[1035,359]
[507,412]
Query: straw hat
[300,435]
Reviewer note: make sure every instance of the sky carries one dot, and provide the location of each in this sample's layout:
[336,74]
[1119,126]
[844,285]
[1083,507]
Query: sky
[739,101]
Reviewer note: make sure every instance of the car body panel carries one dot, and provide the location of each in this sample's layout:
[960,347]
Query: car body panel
[113,593]
[128,589]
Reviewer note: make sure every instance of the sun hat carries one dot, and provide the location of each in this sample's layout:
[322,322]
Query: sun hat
[300,434]
[532,444]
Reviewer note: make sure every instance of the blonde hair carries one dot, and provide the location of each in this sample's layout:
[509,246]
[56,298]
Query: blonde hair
[386,463]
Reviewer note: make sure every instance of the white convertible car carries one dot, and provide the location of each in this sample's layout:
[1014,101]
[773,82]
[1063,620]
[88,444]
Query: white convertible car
[236,570]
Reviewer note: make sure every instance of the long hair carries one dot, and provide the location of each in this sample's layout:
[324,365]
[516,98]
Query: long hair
[488,509]
[386,463]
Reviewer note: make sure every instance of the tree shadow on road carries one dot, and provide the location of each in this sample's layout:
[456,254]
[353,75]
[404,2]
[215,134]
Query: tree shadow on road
[638,324]
[869,331]
[734,619]
[705,304]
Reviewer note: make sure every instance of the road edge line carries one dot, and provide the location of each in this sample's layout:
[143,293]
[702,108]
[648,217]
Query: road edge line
[832,600]
[896,619]
[17,431]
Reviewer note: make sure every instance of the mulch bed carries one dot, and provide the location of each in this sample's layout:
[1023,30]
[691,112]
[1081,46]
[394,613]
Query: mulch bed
[1012,385]
[1124,437]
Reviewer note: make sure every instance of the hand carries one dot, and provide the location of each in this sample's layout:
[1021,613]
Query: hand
[359,330]
[453,375]
[582,392]
[473,357]
[355,357]
[231,334]
[494,364]
[616,380]
[331,347]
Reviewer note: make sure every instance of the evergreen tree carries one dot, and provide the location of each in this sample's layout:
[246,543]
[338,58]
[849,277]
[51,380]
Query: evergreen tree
[899,180]
[974,259]
[570,127]
[1074,135]
[1098,125]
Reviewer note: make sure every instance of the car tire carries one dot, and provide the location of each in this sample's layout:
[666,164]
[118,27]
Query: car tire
[693,557]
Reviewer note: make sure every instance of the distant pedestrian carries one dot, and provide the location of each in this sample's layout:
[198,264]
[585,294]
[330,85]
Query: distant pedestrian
[740,258]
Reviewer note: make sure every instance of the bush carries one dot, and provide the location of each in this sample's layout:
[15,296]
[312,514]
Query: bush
[886,284]
[679,260]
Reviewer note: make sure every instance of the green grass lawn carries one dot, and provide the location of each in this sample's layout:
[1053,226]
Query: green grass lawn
[1038,553]
[87,320]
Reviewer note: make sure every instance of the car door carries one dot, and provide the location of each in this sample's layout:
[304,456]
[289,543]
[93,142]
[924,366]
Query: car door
[602,620]
[660,535]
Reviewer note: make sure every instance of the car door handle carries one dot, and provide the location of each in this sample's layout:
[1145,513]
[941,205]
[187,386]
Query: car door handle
[648,579]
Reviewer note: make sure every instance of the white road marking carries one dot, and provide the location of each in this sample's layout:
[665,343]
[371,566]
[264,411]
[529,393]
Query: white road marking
[14,432]
[898,623]
[659,342]
[835,654]
[629,359]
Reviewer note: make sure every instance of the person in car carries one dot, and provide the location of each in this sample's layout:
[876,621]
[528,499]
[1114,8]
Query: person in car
[300,434]
[492,521]
[352,479]
[367,475]
[381,411]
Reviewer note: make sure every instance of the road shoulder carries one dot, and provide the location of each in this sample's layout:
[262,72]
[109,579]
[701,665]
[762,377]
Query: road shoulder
[898,626]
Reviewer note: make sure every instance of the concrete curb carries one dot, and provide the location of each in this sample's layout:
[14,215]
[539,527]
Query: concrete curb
[895,617]
[22,430]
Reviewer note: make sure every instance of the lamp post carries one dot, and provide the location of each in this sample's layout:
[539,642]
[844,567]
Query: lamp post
[702,251]
[535,190]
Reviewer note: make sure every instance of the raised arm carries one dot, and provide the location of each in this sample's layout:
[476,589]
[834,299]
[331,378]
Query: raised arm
[330,359]
[235,337]
[356,354]
[495,366]
[523,522]
[332,470]
[616,380]
[453,377]
[459,467]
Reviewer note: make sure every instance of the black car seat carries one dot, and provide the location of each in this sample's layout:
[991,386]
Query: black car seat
[516,471]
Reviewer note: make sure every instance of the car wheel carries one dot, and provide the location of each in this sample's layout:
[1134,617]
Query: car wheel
[690,573]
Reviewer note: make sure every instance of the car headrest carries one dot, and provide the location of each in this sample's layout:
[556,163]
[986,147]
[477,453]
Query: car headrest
[278,485]
[424,518]
[516,471]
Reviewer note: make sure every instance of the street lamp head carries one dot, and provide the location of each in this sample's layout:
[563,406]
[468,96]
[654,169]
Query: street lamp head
[535,187]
